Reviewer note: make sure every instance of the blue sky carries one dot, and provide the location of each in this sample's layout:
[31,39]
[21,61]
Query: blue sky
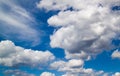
[59,38]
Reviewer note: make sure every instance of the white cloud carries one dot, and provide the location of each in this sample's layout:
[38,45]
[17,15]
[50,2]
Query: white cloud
[57,65]
[11,55]
[116,74]
[75,4]
[62,65]
[116,54]
[81,55]
[75,63]
[75,68]
[17,22]
[47,74]
[90,34]
[17,73]
[85,29]
[89,27]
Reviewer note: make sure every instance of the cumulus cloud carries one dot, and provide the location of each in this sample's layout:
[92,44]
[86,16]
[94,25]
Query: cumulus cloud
[75,67]
[11,55]
[47,74]
[116,54]
[74,63]
[116,74]
[84,29]
[85,26]
[17,73]
[17,22]
[77,4]
[99,73]
[81,55]
[85,34]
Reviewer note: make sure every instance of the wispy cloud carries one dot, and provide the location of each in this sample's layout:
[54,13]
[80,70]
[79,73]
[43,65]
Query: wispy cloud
[17,22]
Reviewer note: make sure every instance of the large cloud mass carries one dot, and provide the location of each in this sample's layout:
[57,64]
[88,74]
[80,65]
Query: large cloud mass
[11,55]
[85,26]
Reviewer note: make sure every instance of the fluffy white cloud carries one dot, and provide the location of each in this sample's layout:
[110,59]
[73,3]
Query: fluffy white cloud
[88,27]
[81,55]
[84,29]
[91,73]
[75,68]
[75,4]
[17,73]
[73,63]
[11,55]
[47,74]
[17,22]
[116,54]
[90,34]
[116,74]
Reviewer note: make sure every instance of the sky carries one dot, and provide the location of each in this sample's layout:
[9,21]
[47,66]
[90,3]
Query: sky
[59,38]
